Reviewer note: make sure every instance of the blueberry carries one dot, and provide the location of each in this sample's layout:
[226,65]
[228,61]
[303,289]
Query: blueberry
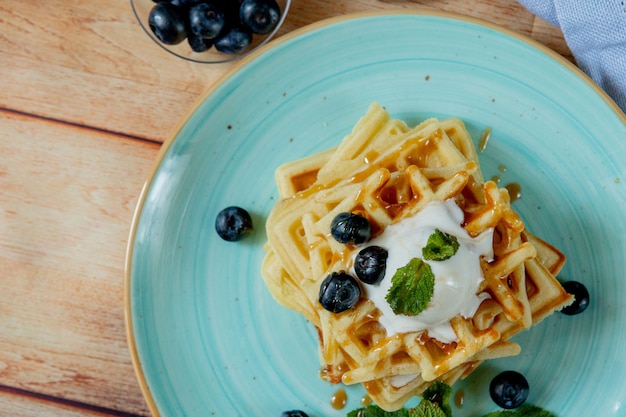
[198,43]
[261,16]
[349,228]
[234,41]
[339,292]
[581,298]
[207,20]
[233,223]
[167,22]
[509,389]
[370,264]
[183,3]
[294,413]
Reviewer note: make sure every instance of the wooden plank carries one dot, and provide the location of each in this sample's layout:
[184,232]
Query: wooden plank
[23,404]
[113,104]
[90,63]
[67,199]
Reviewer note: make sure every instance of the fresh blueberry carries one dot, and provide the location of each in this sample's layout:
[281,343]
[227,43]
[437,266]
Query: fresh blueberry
[183,3]
[167,22]
[198,43]
[207,20]
[350,229]
[261,16]
[509,389]
[233,223]
[370,264]
[294,413]
[581,298]
[339,292]
[234,41]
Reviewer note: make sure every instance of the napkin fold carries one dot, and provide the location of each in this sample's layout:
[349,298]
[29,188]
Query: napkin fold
[595,31]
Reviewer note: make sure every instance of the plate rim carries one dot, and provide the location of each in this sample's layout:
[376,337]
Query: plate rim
[312,27]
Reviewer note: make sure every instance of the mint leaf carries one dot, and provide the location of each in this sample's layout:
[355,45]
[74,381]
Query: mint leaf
[427,409]
[526,410]
[412,287]
[440,246]
[376,411]
[440,393]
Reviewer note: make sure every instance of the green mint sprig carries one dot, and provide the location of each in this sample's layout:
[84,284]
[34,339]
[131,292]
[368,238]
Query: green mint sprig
[440,393]
[440,246]
[412,287]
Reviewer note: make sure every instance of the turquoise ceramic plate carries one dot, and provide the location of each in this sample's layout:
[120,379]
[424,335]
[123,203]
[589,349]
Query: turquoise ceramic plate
[207,338]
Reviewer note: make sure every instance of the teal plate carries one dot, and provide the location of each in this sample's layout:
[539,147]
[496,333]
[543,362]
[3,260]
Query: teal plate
[205,335]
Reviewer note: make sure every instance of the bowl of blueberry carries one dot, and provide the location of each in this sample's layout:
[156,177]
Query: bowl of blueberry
[210,31]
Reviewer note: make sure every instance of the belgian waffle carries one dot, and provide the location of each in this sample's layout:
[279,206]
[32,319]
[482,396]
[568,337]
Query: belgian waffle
[387,171]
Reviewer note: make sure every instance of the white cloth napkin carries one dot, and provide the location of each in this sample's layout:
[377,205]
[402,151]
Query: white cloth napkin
[595,31]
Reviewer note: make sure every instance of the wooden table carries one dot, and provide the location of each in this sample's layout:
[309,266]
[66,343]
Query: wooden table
[86,99]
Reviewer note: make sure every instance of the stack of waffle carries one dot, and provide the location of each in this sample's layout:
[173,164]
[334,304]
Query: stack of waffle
[386,171]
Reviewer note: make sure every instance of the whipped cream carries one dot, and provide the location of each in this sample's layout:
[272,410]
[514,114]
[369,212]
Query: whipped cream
[457,279]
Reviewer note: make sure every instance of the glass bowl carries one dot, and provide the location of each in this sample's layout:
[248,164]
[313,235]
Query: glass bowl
[182,49]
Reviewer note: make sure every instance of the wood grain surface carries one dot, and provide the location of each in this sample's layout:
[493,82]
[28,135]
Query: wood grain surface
[86,99]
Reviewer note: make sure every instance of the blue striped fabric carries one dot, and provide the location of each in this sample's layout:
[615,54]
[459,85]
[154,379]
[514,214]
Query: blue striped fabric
[595,31]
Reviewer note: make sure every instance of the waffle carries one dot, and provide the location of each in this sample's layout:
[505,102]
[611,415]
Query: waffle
[386,171]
